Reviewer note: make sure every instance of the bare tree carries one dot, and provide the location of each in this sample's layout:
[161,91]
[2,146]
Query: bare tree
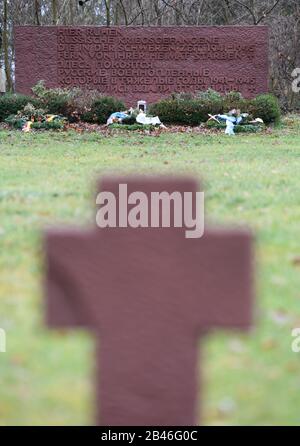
[6,46]
[37,12]
[54,12]
[251,7]
[71,12]
[107,10]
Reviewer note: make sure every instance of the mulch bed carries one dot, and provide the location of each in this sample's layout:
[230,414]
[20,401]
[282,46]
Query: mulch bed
[155,131]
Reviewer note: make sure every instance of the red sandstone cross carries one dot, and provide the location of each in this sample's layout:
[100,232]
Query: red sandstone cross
[148,294]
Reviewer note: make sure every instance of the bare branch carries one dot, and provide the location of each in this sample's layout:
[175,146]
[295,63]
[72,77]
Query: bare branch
[266,13]
[176,10]
[251,12]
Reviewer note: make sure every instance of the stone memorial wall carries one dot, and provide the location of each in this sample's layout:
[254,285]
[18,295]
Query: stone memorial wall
[147,63]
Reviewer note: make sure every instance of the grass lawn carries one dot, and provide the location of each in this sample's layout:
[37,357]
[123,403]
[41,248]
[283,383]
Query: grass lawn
[48,178]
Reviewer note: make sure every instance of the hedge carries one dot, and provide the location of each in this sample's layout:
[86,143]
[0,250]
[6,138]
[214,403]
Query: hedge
[11,104]
[102,108]
[266,107]
[184,108]
[193,111]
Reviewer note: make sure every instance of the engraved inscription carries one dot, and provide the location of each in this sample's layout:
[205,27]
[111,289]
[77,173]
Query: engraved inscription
[144,62]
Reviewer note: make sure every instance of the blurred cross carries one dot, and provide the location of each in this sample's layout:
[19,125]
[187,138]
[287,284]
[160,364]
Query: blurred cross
[148,294]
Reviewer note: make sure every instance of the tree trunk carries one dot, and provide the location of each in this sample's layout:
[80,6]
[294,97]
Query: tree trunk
[107,8]
[54,12]
[157,12]
[71,11]
[5,48]
[37,11]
